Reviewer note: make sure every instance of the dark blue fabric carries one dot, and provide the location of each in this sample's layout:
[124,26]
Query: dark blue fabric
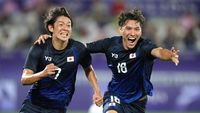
[131,69]
[28,107]
[51,92]
[112,102]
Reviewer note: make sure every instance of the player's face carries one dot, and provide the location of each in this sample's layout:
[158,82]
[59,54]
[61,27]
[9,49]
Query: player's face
[62,28]
[131,33]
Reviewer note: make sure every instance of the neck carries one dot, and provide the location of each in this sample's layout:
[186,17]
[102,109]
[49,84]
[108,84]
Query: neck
[59,44]
[124,45]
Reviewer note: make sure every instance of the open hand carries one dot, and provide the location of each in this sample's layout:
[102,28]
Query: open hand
[175,56]
[42,39]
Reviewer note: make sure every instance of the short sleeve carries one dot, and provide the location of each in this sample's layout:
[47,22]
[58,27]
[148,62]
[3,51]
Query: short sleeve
[147,47]
[85,57]
[99,46]
[32,58]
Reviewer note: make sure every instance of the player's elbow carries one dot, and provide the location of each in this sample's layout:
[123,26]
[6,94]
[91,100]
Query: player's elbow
[24,81]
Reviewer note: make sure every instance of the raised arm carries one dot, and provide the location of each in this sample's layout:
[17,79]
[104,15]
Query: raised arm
[165,54]
[97,98]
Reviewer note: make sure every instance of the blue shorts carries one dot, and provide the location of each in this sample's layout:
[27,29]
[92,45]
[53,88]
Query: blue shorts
[28,107]
[112,102]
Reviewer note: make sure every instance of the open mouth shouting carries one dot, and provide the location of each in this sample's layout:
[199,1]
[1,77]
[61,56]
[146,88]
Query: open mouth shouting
[131,40]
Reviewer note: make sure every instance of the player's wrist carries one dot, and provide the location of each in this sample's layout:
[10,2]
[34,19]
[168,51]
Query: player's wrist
[97,91]
[43,74]
[171,56]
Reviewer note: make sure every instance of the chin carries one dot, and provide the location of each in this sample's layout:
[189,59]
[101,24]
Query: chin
[131,46]
[64,39]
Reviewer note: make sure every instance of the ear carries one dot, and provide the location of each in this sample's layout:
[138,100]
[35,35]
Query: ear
[50,28]
[120,30]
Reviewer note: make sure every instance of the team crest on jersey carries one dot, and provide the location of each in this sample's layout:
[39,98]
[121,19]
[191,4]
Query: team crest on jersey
[70,59]
[132,56]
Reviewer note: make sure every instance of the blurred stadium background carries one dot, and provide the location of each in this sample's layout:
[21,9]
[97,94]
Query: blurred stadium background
[168,23]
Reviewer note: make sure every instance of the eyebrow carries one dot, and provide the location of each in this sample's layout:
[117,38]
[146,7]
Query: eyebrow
[64,22]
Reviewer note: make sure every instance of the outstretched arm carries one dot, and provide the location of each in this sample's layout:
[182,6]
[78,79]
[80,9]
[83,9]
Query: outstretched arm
[165,54]
[97,98]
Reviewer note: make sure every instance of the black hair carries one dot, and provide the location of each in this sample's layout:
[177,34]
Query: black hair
[135,14]
[53,14]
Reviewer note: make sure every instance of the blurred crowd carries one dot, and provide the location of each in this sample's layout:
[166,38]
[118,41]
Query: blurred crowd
[168,22]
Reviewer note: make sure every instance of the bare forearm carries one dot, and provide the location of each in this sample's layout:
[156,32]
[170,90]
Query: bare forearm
[163,54]
[28,79]
[92,78]
[97,98]
[93,82]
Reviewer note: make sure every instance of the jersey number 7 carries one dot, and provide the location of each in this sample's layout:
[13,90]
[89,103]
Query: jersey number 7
[58,73]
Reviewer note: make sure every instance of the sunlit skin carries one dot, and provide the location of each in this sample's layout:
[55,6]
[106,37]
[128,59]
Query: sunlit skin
[61,31]
[131,32]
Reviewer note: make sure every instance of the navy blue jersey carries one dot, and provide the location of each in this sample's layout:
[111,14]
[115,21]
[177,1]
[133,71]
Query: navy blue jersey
[131,68]
[56,91]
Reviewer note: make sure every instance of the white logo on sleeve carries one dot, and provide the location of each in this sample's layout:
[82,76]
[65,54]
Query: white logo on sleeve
[70,59]
[47,58]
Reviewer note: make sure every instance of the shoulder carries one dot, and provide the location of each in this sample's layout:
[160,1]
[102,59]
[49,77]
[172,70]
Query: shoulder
[40,47]
[80,47]
[76,43]
[115,41]
[143,41]
[115,38]
[112,40]
[146,45]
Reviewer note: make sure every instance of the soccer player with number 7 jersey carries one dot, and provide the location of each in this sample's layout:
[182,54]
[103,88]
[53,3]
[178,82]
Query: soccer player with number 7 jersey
[51,67]
[131,58]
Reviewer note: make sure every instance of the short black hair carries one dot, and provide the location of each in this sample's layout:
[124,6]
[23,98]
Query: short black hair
[134,14]
[53,14]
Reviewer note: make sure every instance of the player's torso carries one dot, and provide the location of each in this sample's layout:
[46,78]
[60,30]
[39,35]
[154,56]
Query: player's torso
[56,89]
[127,69]
[66,60]
[123,62]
